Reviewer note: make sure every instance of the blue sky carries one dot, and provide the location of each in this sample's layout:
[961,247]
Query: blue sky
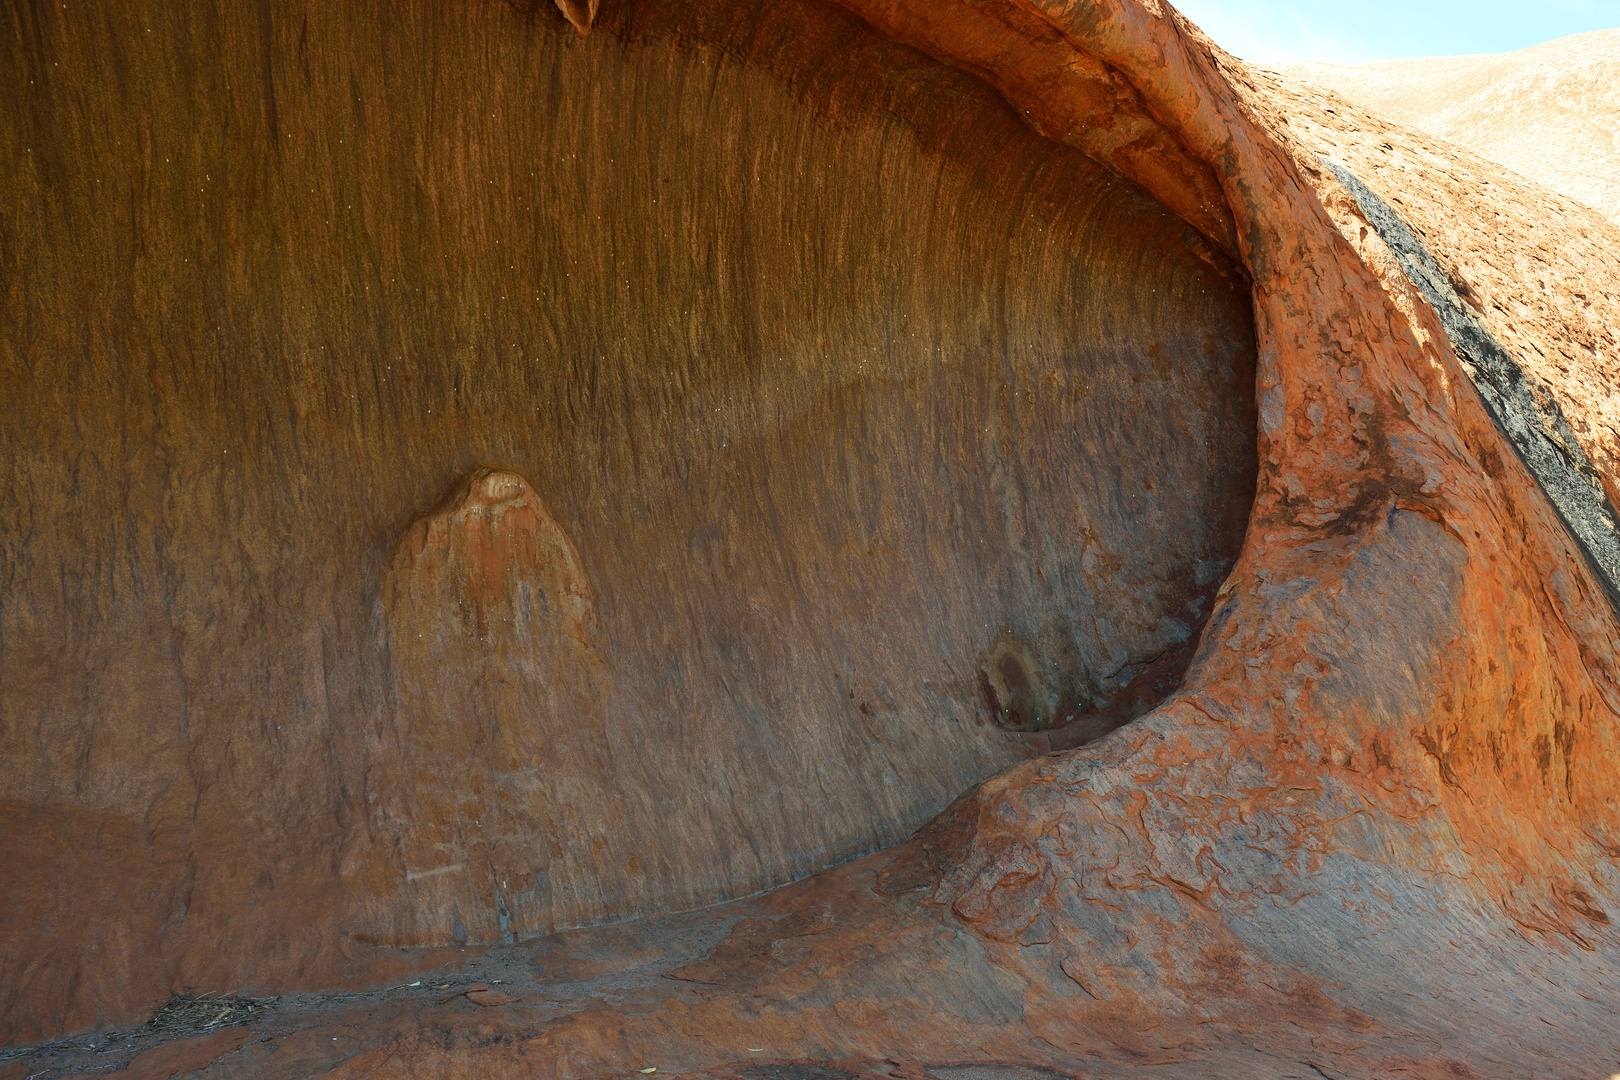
[1354,31]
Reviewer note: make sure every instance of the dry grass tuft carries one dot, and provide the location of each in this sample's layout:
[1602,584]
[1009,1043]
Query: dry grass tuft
[187,1014]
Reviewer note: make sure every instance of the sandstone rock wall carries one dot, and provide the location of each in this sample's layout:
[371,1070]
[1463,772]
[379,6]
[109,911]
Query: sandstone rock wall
[469,479]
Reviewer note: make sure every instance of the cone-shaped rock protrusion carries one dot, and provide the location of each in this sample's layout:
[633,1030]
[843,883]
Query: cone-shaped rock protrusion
[582,13]
[488,769]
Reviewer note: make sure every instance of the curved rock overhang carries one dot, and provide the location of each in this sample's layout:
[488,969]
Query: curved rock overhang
[473,480]
[1386,786]
[1403,715]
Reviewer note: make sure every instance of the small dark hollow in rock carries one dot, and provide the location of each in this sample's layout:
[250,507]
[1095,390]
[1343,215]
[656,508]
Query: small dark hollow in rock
[1014,687]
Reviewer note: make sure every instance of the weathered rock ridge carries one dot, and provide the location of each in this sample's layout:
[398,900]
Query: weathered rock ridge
[654,464]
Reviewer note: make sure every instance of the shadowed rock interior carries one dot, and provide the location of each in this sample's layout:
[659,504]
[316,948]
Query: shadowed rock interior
[471,480]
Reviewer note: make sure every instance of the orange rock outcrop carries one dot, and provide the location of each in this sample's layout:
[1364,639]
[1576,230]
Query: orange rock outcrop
[911,356]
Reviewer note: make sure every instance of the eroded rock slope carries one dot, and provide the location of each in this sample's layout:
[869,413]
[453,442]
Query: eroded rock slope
[1547,112]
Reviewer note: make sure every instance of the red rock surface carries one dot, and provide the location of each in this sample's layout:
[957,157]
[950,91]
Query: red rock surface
[1374,833]
[1549,112]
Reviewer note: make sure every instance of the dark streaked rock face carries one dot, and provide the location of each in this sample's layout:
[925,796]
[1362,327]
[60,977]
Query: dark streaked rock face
[837,422]
[1528,414]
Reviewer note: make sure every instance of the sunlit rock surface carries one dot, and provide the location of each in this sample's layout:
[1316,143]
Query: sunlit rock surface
[1547,112]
